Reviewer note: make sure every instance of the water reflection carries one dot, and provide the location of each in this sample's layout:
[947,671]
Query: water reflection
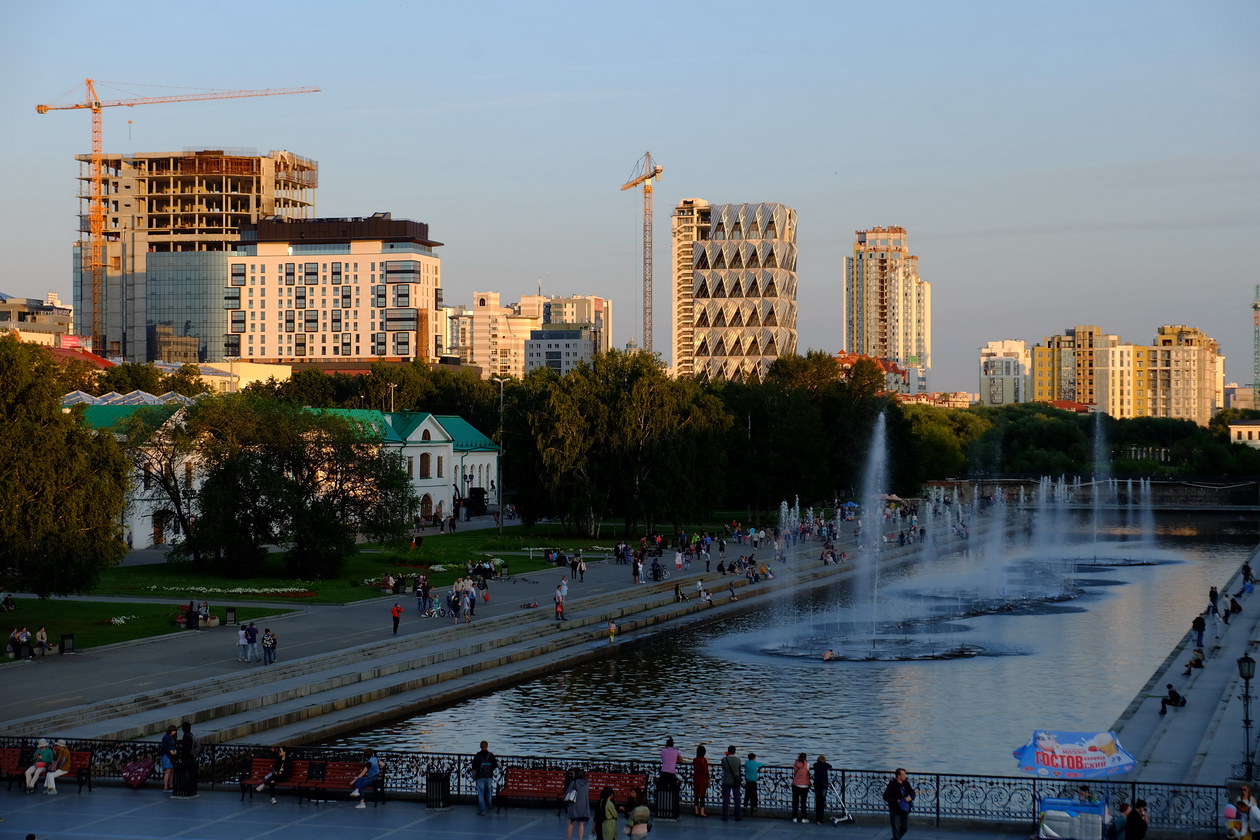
[1073,668]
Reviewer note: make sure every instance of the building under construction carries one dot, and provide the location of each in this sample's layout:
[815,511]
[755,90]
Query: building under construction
[171,218]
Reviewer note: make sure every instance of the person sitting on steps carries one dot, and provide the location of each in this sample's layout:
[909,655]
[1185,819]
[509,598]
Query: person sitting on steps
[1173,699]
[1196,661]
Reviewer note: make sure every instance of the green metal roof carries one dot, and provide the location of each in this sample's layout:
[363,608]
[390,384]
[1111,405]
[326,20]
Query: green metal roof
[406,422]
[108,416]
[464,435]
[364,417]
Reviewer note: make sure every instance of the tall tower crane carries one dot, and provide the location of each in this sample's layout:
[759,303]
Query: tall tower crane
[644,176]
[93,257]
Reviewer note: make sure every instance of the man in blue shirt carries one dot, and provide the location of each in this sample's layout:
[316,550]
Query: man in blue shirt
[752,773]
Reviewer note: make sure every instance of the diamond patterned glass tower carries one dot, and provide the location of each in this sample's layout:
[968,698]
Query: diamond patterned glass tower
[734,288]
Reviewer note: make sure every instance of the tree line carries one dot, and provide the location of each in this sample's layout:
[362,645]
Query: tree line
[615,446]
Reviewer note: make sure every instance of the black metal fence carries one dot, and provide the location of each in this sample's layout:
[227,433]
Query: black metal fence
[941,797]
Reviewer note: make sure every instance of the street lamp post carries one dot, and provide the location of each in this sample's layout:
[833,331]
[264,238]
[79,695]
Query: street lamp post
[498,462]
[1247,670]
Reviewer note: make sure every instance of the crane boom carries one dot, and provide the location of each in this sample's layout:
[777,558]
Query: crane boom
[93,257]
[650,171]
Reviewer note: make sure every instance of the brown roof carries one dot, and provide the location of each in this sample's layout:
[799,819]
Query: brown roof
[79,354]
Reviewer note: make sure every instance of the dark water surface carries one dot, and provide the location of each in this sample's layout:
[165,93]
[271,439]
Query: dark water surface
[1074,667]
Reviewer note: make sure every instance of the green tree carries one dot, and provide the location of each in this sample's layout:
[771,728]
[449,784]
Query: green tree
[186,381]
[278,473]
[128,377]
[65,485]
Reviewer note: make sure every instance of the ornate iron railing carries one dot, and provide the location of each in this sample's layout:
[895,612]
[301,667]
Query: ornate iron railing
[941,797]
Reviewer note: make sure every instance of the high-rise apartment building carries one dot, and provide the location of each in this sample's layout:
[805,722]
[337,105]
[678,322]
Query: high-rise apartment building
[1065,366]
[171,218]
[734,288]
[332,289]
[888,307]
[1005,368]
[1179,375]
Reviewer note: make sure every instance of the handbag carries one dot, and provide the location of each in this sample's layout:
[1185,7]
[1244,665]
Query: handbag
[571,796]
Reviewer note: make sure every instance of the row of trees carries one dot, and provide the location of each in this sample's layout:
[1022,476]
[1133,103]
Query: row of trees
[616,441]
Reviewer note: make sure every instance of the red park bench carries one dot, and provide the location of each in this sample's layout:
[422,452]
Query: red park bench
[547,786]
[260,766]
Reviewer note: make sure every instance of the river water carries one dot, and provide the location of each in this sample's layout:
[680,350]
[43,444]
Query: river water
[1074,666]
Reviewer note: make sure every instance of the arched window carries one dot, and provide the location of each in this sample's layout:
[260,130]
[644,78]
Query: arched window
[425,435]
[424,465]
[440,471]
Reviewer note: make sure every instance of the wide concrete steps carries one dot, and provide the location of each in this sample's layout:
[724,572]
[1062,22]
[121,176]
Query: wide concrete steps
[408,661]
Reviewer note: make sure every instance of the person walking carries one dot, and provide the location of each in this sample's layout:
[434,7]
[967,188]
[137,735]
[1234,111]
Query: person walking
[578,797]
[559,599]
[899,796]
[800,789]
[1198,627]
[241,645]
[752,774]
[396,614]
[483,766]
[699,781]
[732,780]
[822,771]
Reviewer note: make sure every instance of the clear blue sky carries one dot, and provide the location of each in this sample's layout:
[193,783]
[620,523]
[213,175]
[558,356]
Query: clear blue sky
[1055,163]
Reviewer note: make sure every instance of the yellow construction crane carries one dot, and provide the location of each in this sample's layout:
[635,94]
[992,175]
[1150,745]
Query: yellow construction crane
[644,175]
[93,257]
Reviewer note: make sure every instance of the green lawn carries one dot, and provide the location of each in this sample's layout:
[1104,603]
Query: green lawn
[451,552]
[91,621]
[363,571]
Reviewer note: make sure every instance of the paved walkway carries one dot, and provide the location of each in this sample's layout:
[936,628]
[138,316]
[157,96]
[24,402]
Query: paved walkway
[1201,742]
[148,814]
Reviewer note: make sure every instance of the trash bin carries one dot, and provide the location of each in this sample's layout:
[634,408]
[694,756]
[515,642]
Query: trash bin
[67,643]
[437,788]
[231,617]
[666,798]
[184,782]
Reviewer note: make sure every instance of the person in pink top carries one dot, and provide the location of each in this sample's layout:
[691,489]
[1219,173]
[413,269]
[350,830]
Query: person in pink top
[669,765]
[800,788]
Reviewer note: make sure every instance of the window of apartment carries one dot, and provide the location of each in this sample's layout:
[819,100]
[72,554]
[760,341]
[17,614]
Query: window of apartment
[238,274]
[312,321]
[238,320]
[379,341]
[289,321]
[231,298]
[299,297]
[290,274]
[402,344]
[335,321]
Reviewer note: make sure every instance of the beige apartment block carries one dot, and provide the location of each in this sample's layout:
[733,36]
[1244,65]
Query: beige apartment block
[332,290]
[888,306]
[492,334]
[1005,372]
[171,218]
[1065,366]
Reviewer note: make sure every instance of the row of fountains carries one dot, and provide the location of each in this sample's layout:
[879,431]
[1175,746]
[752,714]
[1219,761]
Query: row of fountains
[1020,560]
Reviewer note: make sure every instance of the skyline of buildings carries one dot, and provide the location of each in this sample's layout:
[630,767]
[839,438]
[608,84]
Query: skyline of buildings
[188,276]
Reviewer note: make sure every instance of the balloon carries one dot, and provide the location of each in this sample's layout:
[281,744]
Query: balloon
[1230,812]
